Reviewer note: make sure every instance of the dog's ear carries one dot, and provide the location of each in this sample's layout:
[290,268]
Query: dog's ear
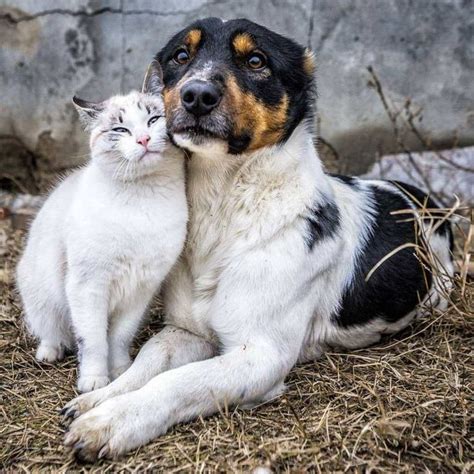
[153,81]
[88,111]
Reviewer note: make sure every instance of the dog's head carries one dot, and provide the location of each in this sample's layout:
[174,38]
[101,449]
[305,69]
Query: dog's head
[236,84]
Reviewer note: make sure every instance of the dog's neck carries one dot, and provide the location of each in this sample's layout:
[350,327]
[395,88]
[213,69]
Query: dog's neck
[213,173]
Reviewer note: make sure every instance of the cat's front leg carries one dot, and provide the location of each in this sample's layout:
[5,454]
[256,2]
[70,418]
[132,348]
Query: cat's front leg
[88,302]
[123,327]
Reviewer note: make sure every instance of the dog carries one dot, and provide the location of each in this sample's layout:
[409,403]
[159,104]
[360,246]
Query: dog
[282,260]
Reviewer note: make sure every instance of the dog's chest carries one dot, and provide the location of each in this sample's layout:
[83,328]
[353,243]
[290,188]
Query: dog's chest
[226,218]
[215,230]
[225,224]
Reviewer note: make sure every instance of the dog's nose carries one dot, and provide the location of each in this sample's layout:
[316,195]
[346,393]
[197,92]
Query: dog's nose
[199,97]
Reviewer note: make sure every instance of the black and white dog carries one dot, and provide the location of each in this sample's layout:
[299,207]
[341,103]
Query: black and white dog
[282,260]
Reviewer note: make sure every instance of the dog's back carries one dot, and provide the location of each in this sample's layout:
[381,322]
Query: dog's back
[399,263]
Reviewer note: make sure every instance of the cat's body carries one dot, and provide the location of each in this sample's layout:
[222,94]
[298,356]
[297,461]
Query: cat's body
[103,243]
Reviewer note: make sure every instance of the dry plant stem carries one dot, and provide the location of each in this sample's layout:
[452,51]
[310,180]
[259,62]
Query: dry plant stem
[403,123]
[393,116]
[410,120]
[466,260]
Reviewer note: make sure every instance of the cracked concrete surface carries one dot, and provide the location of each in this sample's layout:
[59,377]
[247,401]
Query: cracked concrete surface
[51,50]
[87,13]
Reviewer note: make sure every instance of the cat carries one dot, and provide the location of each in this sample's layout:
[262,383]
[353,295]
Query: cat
[106,237]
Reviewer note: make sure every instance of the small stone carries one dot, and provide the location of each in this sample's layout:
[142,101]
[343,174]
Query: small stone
[4,213]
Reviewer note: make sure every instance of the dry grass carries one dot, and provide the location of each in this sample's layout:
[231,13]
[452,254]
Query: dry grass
[402,406]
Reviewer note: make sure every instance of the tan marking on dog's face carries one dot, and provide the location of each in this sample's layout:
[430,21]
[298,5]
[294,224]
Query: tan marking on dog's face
[264,123]
[172,100]
[309,62]
[192,40]
[243,44]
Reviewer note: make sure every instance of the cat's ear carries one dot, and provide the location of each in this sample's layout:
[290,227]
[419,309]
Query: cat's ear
[88,111]
[153,82]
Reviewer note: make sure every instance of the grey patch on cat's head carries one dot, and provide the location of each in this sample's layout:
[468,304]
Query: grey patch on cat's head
[88,111]
[153,81]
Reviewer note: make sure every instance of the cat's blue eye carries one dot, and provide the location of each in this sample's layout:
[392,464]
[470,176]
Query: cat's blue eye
[154,119]
[121,130]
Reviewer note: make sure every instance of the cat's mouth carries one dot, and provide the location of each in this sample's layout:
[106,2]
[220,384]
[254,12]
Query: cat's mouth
[147,154]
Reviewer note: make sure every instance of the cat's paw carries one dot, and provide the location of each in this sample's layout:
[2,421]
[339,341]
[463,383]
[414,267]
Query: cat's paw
[118,371]
[49,353]
[88,383]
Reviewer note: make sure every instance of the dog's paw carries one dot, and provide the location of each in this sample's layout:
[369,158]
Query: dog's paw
[49,353]
[90,434]
[88,383]
[110,429]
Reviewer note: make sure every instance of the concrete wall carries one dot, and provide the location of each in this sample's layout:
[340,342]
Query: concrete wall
[50,50]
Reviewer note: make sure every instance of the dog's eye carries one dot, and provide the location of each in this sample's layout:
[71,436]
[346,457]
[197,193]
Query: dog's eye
[181,56]
[256,61]
[120,130]
[154,119]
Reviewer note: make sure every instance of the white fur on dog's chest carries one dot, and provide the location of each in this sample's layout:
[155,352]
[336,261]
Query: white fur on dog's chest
[212,245]
[231,217]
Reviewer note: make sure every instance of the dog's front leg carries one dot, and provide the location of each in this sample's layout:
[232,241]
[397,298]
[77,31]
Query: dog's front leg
[244,375]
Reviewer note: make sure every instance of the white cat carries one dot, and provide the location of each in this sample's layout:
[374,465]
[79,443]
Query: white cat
[106,237]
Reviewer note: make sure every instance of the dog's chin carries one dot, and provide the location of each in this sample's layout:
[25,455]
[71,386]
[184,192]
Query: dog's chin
[200,142]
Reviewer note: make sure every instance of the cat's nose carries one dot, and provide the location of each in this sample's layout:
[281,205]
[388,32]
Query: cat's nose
[199,97]
[143,140]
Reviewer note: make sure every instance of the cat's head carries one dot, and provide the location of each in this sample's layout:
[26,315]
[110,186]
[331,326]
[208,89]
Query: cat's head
[128,133]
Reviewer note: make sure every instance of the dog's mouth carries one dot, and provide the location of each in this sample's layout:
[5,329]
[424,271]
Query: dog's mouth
[196,131]
[214,126]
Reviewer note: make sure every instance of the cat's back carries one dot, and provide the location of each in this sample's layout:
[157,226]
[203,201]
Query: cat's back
[45,241]
[55,209]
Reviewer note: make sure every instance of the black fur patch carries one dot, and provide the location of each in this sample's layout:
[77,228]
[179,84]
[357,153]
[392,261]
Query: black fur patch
[350,180]
[400,283]
[322,223]
[238,144]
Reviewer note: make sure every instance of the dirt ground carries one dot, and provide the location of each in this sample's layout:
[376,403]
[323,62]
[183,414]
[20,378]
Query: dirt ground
[404,405]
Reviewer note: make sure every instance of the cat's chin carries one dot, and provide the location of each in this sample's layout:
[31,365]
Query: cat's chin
[151,154]
[145,157]
[137,165]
